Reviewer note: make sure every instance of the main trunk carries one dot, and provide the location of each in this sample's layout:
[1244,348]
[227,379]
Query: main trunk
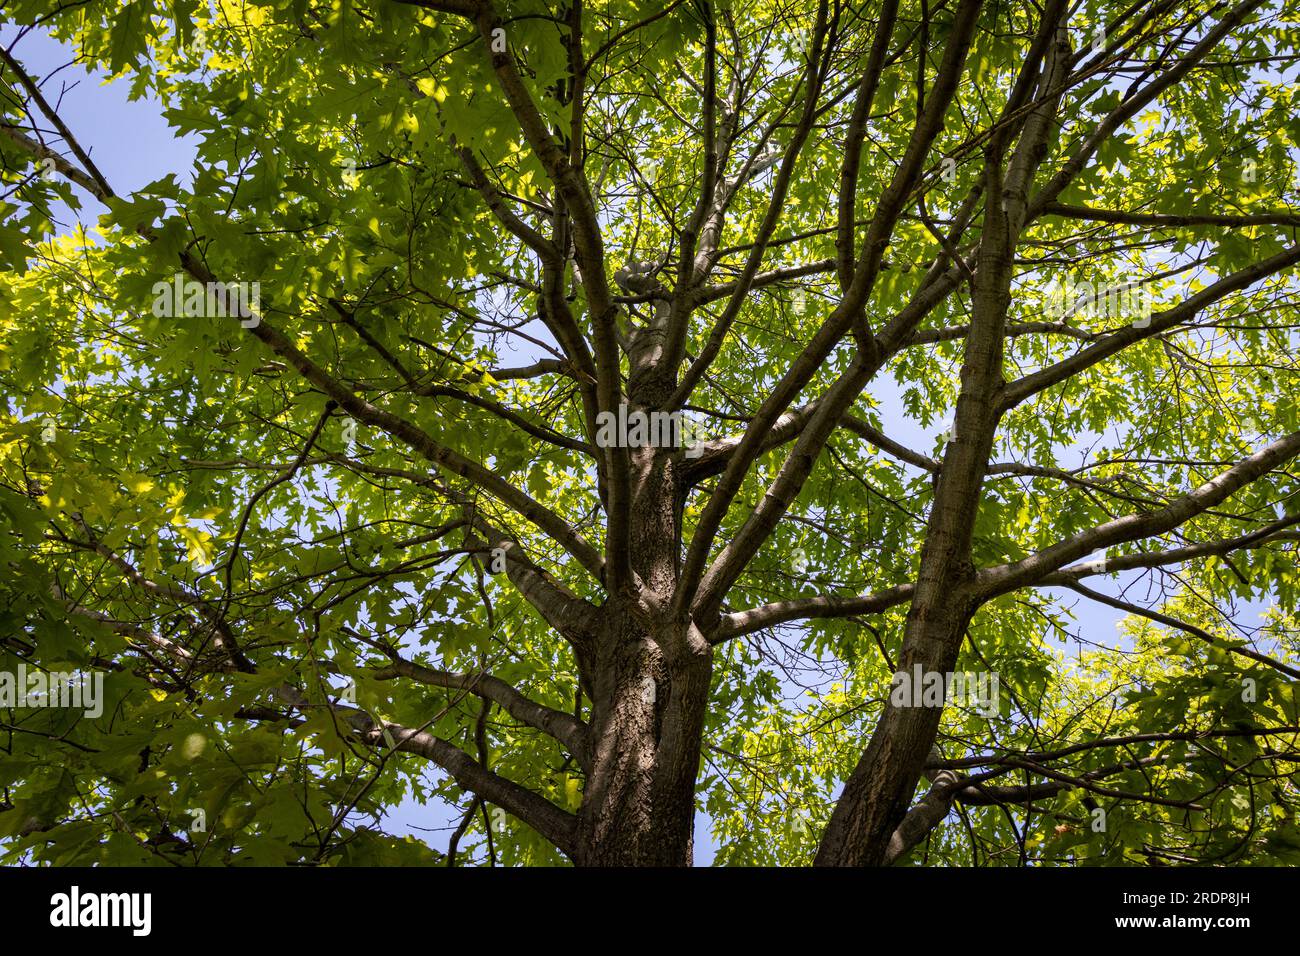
[648,679]
[650,692]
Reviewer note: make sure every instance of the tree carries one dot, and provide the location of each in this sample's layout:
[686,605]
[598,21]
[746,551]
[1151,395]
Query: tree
[516,392]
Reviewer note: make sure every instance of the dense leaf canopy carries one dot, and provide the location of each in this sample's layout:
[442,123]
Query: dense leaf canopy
[360,547]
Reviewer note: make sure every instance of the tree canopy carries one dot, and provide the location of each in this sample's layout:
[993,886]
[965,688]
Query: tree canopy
[317,455]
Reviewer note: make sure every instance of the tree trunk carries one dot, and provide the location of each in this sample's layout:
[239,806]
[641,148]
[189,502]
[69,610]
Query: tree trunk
[651,693]
[878,792]
[648,679]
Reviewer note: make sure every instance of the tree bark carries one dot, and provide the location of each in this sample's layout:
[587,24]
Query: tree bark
[648,675]
[651,691]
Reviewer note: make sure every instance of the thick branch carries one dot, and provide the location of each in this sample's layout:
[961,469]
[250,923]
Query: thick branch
[994,581]
[565,728]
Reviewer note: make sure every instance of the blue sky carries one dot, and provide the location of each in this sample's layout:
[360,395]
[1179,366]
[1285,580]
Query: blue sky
[133,146]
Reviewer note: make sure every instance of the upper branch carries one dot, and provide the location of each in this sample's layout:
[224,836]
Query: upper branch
[993,581]
[565,728]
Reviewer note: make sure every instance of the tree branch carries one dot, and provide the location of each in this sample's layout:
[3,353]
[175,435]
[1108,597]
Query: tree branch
[565,728]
